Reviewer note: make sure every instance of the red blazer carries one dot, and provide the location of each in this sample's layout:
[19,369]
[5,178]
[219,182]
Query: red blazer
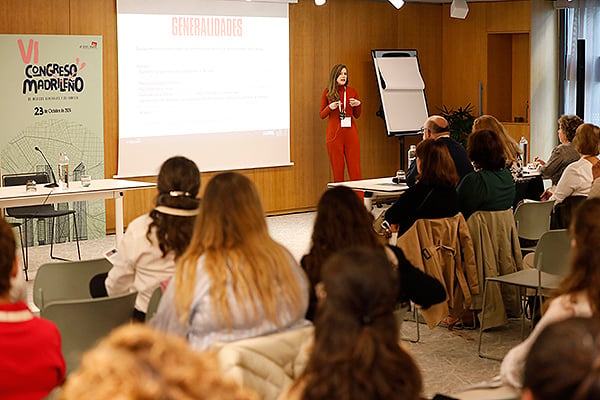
[334,124]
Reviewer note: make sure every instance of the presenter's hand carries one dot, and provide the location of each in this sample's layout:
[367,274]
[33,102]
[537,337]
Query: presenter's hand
[354,102]
[334,104]
[394,228]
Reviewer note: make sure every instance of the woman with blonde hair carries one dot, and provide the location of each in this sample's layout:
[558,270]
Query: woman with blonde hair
[136,362]
[512,152]
[234,281]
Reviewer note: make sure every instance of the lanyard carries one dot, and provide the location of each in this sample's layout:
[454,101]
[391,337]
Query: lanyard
[343,109]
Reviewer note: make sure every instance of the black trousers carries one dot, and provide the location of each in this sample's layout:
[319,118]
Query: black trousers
[98,289]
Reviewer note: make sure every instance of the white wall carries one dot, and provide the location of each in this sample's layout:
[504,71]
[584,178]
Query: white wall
[544,78]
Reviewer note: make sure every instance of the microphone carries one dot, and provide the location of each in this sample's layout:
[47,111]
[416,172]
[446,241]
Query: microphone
[51,184]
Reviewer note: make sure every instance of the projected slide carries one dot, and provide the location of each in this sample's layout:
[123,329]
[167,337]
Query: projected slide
[204,79]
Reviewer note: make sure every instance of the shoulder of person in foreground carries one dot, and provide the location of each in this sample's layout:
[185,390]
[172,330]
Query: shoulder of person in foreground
[560,308]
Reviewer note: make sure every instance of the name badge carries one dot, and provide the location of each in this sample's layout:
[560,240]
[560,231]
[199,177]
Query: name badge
[346,122]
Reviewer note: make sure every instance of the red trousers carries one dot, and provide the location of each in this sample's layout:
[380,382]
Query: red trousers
[344,148]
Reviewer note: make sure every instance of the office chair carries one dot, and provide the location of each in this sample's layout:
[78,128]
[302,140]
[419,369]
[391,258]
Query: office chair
[43,211]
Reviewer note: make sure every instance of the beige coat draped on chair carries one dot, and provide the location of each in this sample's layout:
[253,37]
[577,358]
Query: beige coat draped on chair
[497,252]
[443,249]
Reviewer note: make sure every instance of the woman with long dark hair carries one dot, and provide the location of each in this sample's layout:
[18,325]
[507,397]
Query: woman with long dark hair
[343,222]
[356,354]
[434,194]
[147,253]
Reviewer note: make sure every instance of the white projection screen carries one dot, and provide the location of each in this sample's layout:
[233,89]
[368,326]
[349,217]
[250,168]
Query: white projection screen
[208,80]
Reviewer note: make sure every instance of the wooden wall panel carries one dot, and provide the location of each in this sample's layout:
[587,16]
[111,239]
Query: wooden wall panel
[520,73]
[510,16]
[34,17]
[464,53]
[465,47]
[500,72]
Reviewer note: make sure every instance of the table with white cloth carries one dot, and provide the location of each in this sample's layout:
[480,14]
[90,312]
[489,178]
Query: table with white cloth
[374,188]
[17,196]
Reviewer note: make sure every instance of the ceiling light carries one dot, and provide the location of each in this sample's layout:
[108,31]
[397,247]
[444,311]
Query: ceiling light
[459,9]
[397,3]
[320,2]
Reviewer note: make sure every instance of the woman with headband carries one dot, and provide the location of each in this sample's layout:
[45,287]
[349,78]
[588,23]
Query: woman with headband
[146,255]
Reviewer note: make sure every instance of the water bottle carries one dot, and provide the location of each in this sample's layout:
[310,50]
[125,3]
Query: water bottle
[412,154]
[63,171]
[524,144]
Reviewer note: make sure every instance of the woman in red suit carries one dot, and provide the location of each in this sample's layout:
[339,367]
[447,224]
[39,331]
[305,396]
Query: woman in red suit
[340,103]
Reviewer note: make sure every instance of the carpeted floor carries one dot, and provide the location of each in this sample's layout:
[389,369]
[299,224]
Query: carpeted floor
[448,359]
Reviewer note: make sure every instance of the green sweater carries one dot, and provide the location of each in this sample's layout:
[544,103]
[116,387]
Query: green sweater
[486,190]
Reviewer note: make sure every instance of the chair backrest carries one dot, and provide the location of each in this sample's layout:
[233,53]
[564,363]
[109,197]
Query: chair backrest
[533,218]
[82,323]
[564,211]
[21,179]
[153,303]
[66,280]
[553,252]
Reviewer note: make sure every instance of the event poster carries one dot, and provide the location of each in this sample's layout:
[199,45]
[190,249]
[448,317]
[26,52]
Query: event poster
[52,99]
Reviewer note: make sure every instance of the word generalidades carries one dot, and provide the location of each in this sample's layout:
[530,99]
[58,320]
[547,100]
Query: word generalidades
[206,26]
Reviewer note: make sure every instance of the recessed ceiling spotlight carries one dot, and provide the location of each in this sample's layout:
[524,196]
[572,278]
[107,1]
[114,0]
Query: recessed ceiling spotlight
[320,2]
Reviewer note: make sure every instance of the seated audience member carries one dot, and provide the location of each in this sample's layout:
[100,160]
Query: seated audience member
[147,253]
[563,154]
[436,127]
[356,354]
[577,177]
[579,292]
[563,362]
[490,187]
[344,222]
[136,362]
[31,360]
[595,189]
[234,281]
[434,194]
[512,152]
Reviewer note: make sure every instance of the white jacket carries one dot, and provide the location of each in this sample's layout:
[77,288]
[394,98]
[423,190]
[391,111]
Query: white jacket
[139,264]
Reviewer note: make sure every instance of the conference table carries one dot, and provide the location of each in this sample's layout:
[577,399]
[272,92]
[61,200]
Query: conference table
[16,196]
[374,188]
